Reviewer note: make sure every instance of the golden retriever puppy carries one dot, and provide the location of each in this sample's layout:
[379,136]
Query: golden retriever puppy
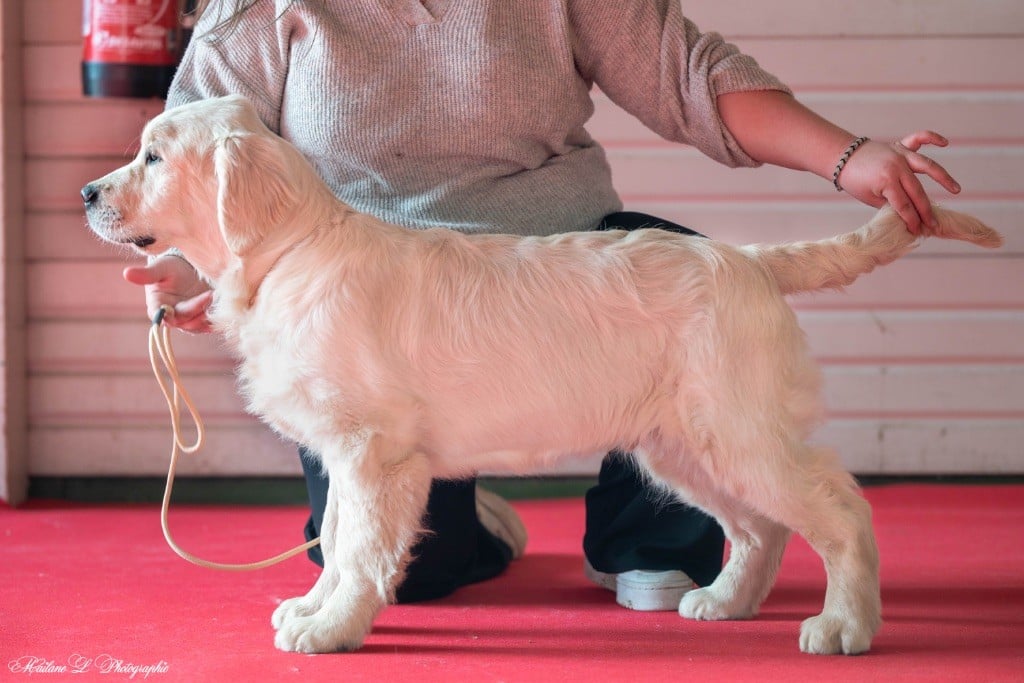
[401,355]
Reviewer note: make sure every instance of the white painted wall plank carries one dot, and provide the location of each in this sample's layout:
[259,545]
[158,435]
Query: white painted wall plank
[84,290]
[844,19]
[918,446]
[63,235]
[880,114]
[742,221]
[640,174]
[806,64]
[104,128]
[114,125]
[877,392]
[648,173]
[879,337]
[58,21]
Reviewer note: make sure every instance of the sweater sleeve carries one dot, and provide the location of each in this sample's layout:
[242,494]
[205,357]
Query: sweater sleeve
[657,65]
[249,58]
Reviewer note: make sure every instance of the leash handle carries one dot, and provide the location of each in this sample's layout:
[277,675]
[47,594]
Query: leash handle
[174,393]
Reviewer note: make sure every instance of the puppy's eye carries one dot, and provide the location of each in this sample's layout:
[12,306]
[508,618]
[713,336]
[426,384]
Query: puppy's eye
[151,158]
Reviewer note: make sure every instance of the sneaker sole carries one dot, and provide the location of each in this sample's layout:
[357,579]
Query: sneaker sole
[652,591]
[643,591]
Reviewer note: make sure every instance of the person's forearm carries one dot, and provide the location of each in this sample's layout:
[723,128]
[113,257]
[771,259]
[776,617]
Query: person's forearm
[774,128]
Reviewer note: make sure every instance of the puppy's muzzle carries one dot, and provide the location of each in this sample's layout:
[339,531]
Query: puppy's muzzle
[91,195]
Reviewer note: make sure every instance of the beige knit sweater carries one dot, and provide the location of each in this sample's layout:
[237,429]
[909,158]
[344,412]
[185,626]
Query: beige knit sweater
[470,113]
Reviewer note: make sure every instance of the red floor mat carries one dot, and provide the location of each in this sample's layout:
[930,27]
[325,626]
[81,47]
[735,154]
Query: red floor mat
[95,586]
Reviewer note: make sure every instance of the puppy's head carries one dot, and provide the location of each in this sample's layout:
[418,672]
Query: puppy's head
[209,179]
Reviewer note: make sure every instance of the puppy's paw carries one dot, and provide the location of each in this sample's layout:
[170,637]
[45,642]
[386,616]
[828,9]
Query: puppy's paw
[317,634]
[705,604]
[827,634]
[292,608]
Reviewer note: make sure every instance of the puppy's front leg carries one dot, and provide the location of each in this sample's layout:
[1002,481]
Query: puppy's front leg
[328,580]
[378,500]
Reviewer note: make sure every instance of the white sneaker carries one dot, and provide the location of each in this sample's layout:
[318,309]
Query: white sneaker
[644,591]
[502,520]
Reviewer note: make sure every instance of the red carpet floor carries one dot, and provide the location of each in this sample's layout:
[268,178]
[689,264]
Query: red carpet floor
[95,587]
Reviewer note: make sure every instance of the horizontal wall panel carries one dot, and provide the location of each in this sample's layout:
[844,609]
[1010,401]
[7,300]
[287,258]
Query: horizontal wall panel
[949,446]
[116,346]
[905,392]
[908,337]
[866,446]
[52,71]
[64,235]
[938,283]
[885,115]
[59,21]
[640,174]
[56,184]
[128,400]
[83,290]
[115,125]
[52,21]
[768,221]
[892,63]
[645,174]
[227,451]
[242,450]
[844,19]
[850,337]
[923,391]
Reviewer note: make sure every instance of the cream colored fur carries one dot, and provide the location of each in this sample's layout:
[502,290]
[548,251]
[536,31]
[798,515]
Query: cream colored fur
[402,355]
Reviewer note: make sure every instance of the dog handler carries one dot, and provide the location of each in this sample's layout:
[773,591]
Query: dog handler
[470,114]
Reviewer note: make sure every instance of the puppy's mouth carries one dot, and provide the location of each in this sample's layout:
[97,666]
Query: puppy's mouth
[109,225]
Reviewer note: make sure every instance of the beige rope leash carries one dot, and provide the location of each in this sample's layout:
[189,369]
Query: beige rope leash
[173,390]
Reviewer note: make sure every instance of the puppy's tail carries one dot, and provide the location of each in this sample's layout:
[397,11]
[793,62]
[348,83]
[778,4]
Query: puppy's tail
[836,262]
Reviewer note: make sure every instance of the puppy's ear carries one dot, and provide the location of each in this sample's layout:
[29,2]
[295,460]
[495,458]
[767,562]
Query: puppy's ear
[254,193]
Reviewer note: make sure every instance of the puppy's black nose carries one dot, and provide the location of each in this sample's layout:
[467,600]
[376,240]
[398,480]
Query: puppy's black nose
[90,193]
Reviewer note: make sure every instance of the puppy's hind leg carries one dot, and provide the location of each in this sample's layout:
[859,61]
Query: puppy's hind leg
[805,489]
[378,496]
[837,525]
[756,545]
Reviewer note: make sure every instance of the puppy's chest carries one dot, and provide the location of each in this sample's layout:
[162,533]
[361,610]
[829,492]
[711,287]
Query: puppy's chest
[281,387]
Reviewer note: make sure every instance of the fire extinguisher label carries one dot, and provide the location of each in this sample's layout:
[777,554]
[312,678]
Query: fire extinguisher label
[131,31]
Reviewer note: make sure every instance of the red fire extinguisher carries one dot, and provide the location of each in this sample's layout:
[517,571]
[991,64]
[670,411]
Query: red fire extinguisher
[130,47]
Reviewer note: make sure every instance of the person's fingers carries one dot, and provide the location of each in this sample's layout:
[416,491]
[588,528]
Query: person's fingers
[922,205]
[917,139]
[921,164]
[193,308]
[199,325]
[188,315]
[897,197]
[142,275]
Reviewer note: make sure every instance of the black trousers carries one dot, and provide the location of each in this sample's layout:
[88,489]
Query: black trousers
[628,524]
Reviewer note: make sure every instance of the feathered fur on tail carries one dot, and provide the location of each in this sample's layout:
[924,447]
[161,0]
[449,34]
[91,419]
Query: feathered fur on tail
[836,262]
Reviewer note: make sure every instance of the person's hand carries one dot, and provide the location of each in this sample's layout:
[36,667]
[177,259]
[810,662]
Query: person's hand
[172,281]
[878,173]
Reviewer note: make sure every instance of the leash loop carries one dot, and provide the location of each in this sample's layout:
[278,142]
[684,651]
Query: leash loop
[174,393]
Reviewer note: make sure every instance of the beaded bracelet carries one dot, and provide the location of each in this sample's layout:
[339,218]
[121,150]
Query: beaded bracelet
[843,159]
